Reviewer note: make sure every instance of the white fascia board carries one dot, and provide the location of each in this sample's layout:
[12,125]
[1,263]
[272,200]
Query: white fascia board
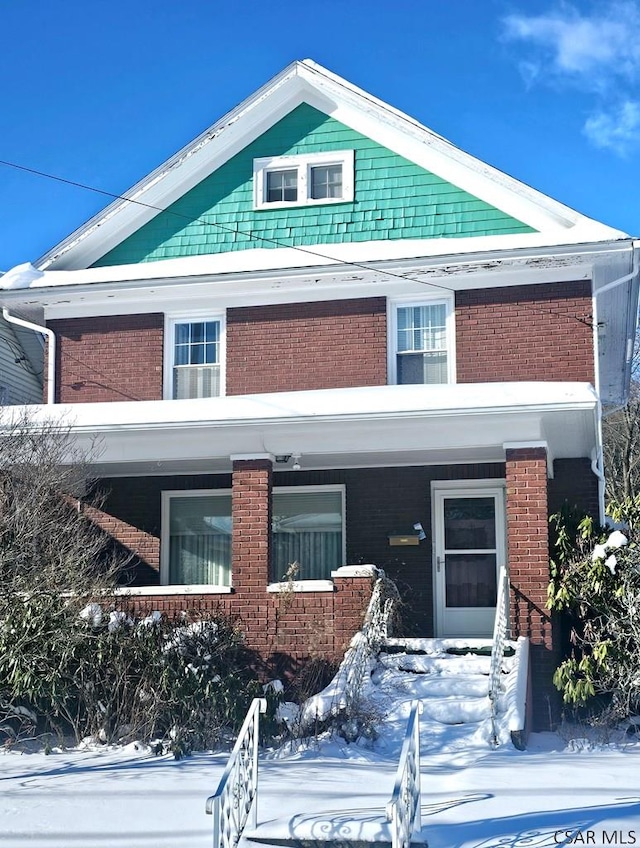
[287,261]
[310,83]
[320,406]
[125,290]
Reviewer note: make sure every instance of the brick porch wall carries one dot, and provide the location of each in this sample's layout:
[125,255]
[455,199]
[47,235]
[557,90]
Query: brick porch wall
[528,556]
[284,629]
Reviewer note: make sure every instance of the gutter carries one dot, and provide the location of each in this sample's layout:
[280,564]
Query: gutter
[51,348]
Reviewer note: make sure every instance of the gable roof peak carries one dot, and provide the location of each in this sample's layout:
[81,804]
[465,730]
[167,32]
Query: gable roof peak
[305,81]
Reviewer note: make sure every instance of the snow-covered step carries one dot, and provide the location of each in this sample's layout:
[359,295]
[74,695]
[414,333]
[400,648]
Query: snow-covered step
[333,829]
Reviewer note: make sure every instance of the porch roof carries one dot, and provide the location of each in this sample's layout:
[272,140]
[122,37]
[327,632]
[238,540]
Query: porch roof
[333,428]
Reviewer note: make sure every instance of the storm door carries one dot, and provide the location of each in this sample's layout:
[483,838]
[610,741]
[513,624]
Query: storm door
[469,548]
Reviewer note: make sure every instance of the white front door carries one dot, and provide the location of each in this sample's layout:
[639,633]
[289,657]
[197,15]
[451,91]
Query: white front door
[469,549]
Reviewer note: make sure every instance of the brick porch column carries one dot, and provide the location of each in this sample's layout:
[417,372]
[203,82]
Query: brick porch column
[528,558]
[251,516]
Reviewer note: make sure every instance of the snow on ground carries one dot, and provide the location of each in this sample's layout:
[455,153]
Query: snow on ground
[473,799]
[473,796]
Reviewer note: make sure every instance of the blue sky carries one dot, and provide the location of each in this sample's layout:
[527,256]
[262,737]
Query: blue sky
[103,91]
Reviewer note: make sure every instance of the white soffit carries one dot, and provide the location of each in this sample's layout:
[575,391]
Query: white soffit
[309,82]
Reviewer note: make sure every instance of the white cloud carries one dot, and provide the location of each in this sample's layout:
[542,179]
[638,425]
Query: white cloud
[617,130]
[597,52]
[590,50]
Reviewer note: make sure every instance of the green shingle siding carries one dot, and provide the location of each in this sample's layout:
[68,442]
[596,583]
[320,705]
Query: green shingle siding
[394,199]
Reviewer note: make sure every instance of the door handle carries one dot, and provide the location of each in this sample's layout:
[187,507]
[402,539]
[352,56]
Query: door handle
[438,563]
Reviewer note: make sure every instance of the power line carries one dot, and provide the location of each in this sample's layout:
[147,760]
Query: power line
[266,239]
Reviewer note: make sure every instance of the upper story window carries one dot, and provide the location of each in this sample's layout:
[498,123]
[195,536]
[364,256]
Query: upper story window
[303,180]
[194,357]
[422,343]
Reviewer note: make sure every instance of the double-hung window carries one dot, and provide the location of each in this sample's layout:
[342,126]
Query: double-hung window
[303,179]
[194,358]
[422,344]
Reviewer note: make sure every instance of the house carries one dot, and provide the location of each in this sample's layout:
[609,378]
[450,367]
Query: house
[317,330]
[21,361]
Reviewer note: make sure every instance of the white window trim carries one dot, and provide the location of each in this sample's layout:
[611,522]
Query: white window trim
[165,527]
[173,589]
[303,163]
[296,586]
[393,304]
[170,321]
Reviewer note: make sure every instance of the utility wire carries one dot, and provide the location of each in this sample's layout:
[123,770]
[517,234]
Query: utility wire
[266,239]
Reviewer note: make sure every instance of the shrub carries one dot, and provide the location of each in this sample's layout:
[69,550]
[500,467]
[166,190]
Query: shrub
[104,675]
[595,577]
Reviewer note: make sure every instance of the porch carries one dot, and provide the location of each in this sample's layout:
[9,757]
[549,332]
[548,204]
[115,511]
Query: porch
[397,456]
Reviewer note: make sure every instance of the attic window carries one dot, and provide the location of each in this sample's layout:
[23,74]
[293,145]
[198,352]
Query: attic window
[303,180]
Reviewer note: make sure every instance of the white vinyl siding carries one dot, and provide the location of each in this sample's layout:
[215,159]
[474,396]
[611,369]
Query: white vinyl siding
[18,381]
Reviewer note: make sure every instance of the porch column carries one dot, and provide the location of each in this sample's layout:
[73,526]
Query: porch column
[251,520]
[528,558]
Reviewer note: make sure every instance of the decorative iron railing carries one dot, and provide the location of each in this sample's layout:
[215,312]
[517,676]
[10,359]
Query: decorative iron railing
[403,810]
[236,798]
[497,649]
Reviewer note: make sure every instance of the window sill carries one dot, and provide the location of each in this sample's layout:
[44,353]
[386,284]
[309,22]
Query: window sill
[177,589]
[302,586]
[357,571]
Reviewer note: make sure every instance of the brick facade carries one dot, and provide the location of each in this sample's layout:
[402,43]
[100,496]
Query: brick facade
[326,345]
[525,333]
[109,358]
[502,334]
[528,556]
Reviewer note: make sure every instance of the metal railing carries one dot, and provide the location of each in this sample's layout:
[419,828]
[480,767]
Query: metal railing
[236,798]
[497,648]
[403,810]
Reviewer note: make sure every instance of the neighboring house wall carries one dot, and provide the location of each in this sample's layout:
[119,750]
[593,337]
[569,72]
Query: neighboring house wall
[19,382]
[539,332]
[394,199]
[109,358]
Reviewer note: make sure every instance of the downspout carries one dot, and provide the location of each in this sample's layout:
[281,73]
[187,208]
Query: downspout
[51,349]
[597,464]
[597,456]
